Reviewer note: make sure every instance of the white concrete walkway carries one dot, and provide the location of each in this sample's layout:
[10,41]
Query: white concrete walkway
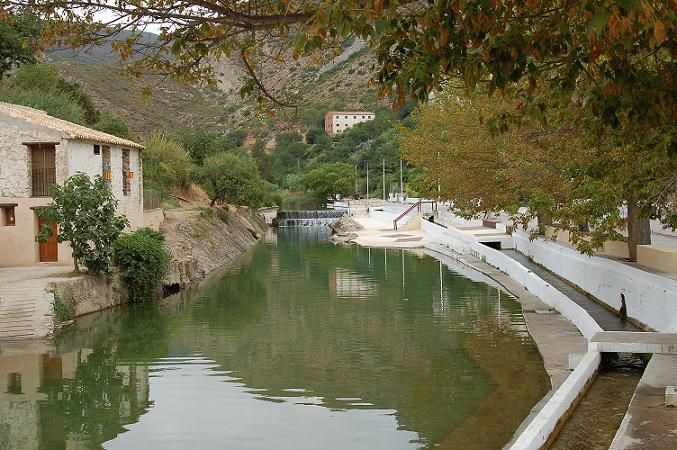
[377,233]
[25,305]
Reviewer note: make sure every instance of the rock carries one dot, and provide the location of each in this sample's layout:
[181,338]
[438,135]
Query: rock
[343,231]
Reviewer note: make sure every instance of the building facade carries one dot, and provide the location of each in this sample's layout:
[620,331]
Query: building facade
[336,122]
[37,151]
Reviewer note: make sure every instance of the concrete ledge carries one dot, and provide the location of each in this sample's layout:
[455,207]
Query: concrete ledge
[538,432]
[634,342]
[650,296]
[657,257]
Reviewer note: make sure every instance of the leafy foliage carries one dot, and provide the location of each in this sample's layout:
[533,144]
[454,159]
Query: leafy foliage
[330,180]
[40,86]
[143,261]
[166,162]
[111,124]
[19,40]
[62,310]
[232,178]
[84,212]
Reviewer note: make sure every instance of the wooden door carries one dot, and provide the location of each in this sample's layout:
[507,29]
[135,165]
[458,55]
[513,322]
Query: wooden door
[49,251]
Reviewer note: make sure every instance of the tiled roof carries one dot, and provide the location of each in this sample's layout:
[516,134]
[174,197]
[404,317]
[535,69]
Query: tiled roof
[73,130]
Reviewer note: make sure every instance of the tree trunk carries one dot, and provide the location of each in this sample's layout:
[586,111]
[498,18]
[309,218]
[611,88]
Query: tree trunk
[212,202]
[77,266]
[543,219]
[639,228]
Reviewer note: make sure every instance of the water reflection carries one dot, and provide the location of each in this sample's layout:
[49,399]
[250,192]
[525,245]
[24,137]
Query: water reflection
[69,400]
[301,345]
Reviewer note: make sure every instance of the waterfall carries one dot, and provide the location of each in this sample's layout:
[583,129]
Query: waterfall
[320,218]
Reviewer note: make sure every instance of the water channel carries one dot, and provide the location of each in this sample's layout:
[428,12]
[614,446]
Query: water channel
[301,345]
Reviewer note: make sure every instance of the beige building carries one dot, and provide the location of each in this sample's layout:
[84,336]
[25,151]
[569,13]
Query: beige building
[336,122]
[37,151]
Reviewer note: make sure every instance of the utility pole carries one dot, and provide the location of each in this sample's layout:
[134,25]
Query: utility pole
[384,179]
[355,181]
[401,183]
[367,184]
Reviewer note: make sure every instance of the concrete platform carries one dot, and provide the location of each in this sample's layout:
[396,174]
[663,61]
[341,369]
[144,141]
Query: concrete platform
[648,423]
[635,342]
[25,305]
[377,233]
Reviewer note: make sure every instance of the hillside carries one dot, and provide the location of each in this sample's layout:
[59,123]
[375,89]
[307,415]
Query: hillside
[335,82]
[170,106]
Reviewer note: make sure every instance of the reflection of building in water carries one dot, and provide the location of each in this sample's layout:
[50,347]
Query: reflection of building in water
[346,284]
[41,394]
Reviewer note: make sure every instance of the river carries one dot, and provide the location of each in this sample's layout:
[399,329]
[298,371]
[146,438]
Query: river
[300,345]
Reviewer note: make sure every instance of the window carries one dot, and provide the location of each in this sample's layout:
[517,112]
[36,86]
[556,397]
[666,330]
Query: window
[126,174]
[8,218]
[106,166]
[97,149]
[346,117]
[14,383]
[363,117]
[43,168]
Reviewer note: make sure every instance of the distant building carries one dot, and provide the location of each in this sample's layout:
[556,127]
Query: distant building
[336,122]
[37,151]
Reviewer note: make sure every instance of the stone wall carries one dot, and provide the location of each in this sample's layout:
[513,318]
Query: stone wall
[200,241]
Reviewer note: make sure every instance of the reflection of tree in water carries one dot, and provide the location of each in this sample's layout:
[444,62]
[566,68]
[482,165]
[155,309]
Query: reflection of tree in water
[109,387]
[93,406]
[144,333]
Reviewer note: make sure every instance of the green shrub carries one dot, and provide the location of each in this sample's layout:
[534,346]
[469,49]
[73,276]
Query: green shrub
[143,260]
[166,162]
[62,311]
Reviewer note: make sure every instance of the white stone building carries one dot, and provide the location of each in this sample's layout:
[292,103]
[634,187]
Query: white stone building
[336,122]
[37,151]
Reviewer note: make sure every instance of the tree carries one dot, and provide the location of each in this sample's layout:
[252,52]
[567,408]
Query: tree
[624,50]
[112,124]
[231,178]
[166,162]
[561,171]
[84,212]
[330,180]
[202,144]
[19,40]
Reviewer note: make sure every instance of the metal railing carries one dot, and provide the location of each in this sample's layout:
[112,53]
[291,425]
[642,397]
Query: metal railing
[151,199]
[416,205]
[41,181]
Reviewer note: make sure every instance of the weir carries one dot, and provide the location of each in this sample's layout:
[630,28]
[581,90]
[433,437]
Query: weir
[318,218]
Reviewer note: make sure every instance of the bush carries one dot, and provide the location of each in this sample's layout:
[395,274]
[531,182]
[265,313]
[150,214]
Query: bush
[143,261]
[231,178]
[62,310]
[112,124]
[166,162]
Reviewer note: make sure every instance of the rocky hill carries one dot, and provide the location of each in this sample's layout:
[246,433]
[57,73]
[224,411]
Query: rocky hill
[339,80]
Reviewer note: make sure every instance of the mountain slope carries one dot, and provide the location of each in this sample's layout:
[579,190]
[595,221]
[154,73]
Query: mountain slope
[333,82]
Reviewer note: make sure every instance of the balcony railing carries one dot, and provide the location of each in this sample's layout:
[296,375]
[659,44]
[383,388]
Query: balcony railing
[43,179]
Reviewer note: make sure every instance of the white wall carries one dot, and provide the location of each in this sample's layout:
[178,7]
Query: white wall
[651,298]
[15,161]
[81,158]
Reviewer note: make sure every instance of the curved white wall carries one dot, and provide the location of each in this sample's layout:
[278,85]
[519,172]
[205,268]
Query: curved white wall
[651,298]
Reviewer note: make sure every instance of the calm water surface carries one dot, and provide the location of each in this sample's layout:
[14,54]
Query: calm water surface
[302,345]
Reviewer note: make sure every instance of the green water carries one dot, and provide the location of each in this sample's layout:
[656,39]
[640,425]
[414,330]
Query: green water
[301,345]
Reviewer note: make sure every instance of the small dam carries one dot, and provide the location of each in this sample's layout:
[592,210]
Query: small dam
[319,218]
